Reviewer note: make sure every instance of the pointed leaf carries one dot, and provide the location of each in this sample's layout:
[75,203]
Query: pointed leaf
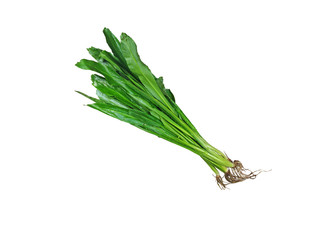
[110,59]
[85,95]
[114,45]
[137,67]
[95,53]
[93,66]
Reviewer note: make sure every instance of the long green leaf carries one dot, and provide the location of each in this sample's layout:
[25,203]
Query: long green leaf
[146,123]
[111,93]
[137,67]
[104,69]
[91,98]
[95,53]
[114,45]
[93,66]
[132,116]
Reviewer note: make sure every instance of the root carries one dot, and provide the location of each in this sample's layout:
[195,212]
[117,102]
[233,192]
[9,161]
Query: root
[236,174]
[222,185]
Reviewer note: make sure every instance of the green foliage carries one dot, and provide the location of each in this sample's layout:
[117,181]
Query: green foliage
[128,90]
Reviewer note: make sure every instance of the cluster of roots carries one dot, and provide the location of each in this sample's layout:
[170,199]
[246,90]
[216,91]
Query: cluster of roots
[236,174]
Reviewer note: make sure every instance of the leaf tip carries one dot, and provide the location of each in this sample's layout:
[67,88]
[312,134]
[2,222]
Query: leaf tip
[123,36]
[78,64]
[106,31]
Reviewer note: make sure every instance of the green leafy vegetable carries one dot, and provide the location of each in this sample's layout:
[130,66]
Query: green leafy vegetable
[128,90]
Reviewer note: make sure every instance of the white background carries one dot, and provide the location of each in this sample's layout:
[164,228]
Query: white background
[245,72]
